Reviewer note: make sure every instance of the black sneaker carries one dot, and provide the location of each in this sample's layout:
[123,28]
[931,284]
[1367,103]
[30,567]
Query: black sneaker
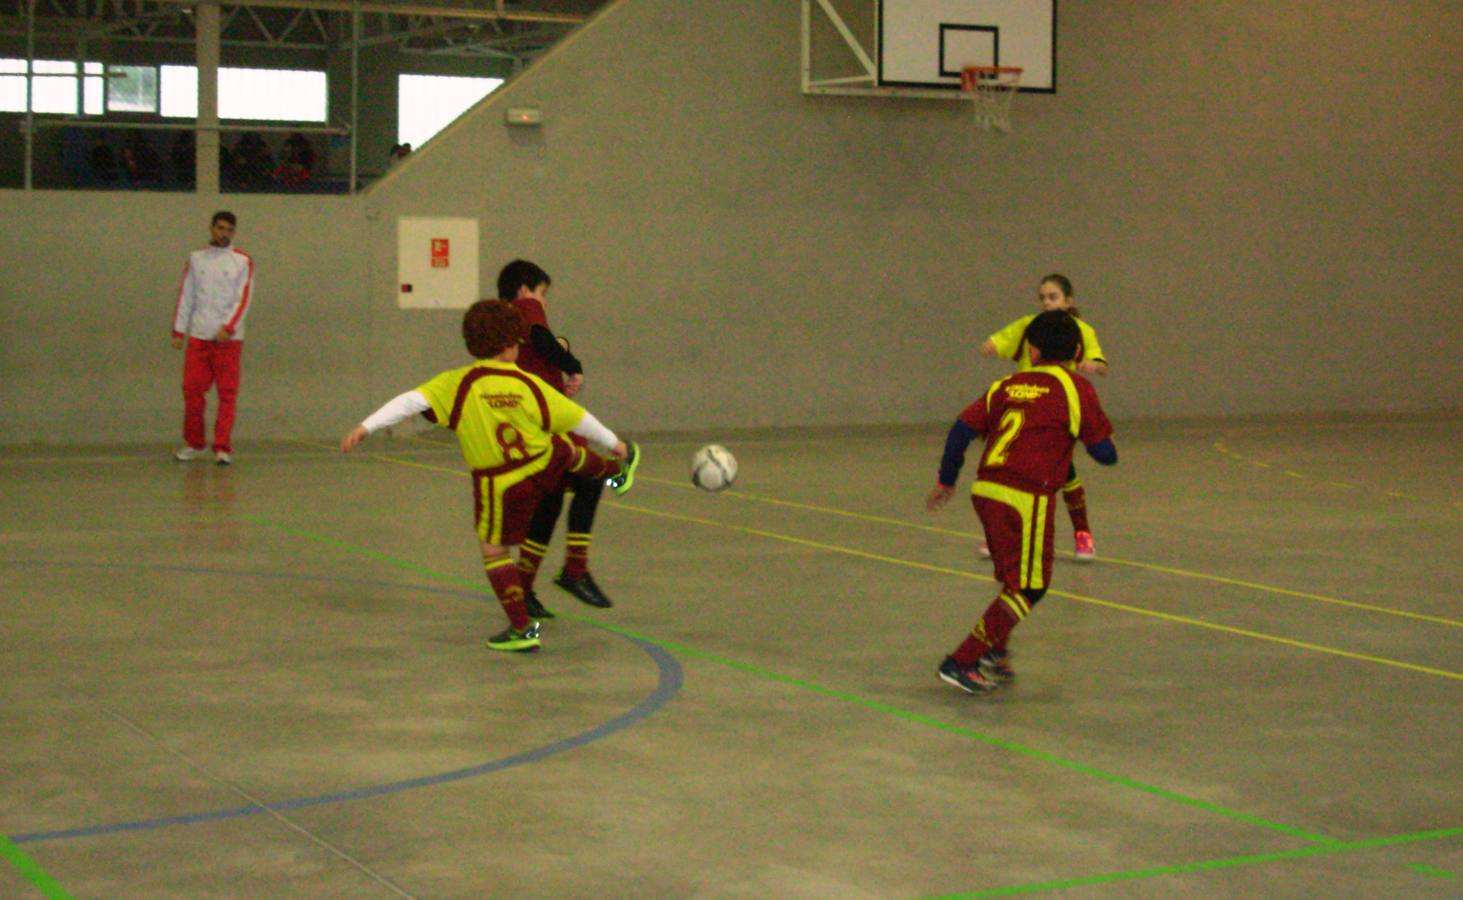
[621,482]
[996,665]
[969,680]
[536,610]
[584,590]
[525,641]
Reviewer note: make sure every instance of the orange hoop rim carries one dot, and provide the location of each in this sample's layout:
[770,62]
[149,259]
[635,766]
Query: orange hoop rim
[974,78]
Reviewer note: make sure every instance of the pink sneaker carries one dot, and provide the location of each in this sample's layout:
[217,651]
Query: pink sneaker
[985,550]
[1086,549]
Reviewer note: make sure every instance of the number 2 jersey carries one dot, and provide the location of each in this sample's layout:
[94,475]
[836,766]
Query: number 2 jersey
[1031,420]
[504,418]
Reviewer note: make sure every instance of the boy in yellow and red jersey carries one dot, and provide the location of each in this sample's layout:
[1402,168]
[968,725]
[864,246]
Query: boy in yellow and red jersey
[526,285]
[510,426]
[1055,292]
[1030,422]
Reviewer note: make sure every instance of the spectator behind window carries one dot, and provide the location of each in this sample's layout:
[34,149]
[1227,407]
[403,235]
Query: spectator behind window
[298,161]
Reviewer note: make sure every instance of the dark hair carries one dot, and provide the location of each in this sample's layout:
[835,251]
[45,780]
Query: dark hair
[520,273]
[1055,335]
[489,327]
[1065,284]
[1060,281]
[226,216]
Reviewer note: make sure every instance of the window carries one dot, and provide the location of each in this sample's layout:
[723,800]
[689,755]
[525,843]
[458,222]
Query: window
[428,103]
[53,89]
[131,89]
[270,95]
[12,89]
[279,95]
[178,92]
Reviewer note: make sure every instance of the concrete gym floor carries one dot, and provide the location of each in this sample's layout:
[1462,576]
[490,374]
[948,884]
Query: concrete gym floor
[270,680]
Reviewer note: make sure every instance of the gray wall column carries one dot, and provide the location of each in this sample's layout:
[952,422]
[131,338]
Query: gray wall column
[205,18]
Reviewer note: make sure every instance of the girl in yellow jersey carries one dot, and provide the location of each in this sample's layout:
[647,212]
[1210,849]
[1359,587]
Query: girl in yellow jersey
[1055,292]
[510,426]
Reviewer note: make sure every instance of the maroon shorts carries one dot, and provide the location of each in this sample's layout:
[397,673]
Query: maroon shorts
[504,500]
[1018,530]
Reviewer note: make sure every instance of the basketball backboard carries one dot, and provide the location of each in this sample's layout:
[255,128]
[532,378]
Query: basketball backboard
[919,47]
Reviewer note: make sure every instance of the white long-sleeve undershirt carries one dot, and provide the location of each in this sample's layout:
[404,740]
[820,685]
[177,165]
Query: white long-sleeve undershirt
[411,403]
[398,409]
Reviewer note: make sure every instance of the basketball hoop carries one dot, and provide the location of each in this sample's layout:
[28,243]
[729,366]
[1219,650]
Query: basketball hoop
[991,90]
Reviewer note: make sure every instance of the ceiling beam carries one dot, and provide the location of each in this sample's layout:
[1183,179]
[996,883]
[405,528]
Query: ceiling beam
[405,9]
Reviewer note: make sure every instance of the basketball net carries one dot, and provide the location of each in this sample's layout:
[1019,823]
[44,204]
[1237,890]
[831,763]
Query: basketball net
[991,90]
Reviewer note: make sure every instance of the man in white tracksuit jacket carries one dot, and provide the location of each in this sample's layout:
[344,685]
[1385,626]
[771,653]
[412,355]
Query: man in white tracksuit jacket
[214,297]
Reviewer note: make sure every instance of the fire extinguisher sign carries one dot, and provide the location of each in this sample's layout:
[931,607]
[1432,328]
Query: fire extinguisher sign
[436,264]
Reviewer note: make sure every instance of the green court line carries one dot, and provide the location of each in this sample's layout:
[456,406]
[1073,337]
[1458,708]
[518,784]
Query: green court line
[1210,864]
[856,699]
[1429,870]
[32,871]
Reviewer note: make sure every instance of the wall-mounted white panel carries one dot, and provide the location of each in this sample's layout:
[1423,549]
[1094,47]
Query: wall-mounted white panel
[436,263]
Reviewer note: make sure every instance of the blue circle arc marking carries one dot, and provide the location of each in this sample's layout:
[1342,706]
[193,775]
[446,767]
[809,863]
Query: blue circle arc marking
[671,677]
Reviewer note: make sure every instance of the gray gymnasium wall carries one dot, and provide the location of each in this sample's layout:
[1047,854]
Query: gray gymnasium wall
[1252,227]
[86,303]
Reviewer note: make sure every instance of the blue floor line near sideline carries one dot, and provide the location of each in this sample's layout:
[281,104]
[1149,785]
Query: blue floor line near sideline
[671,677]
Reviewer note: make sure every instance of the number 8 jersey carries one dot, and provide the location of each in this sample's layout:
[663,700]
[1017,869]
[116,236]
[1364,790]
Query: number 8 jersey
[504,417]
[1031,420]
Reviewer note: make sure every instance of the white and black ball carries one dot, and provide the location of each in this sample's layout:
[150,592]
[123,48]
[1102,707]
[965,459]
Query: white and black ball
[713,468]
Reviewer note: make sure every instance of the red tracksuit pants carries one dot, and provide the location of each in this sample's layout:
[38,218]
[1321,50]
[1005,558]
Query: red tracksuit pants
[205,364]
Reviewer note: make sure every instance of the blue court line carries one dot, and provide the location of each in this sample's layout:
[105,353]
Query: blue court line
[671,677]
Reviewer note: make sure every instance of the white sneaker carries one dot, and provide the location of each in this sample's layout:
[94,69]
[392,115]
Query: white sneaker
[985,549]
[223,458]
[188,454]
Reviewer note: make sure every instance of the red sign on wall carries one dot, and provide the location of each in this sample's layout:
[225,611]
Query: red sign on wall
[441,254]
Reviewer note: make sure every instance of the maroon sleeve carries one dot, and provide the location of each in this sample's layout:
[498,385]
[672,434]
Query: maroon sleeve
[1095,424]
[975,415]
[531,311]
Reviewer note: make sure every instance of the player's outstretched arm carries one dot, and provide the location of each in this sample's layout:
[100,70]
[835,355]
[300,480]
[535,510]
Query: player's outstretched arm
[951,461]
[354,438]
[398,409]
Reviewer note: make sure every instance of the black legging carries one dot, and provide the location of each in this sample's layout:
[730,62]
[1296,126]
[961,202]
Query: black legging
[581,510]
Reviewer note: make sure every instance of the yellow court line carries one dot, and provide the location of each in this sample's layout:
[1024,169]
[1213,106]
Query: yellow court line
[167,456]
[1152,567]
[962,573]
[384,457]
[1223,449]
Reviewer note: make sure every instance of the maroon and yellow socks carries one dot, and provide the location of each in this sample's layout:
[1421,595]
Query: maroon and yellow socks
[993,629]
[530,557]
[1075,496]
[592,465]
[503,576]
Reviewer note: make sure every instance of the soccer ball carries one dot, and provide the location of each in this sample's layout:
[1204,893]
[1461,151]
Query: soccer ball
[713,468]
